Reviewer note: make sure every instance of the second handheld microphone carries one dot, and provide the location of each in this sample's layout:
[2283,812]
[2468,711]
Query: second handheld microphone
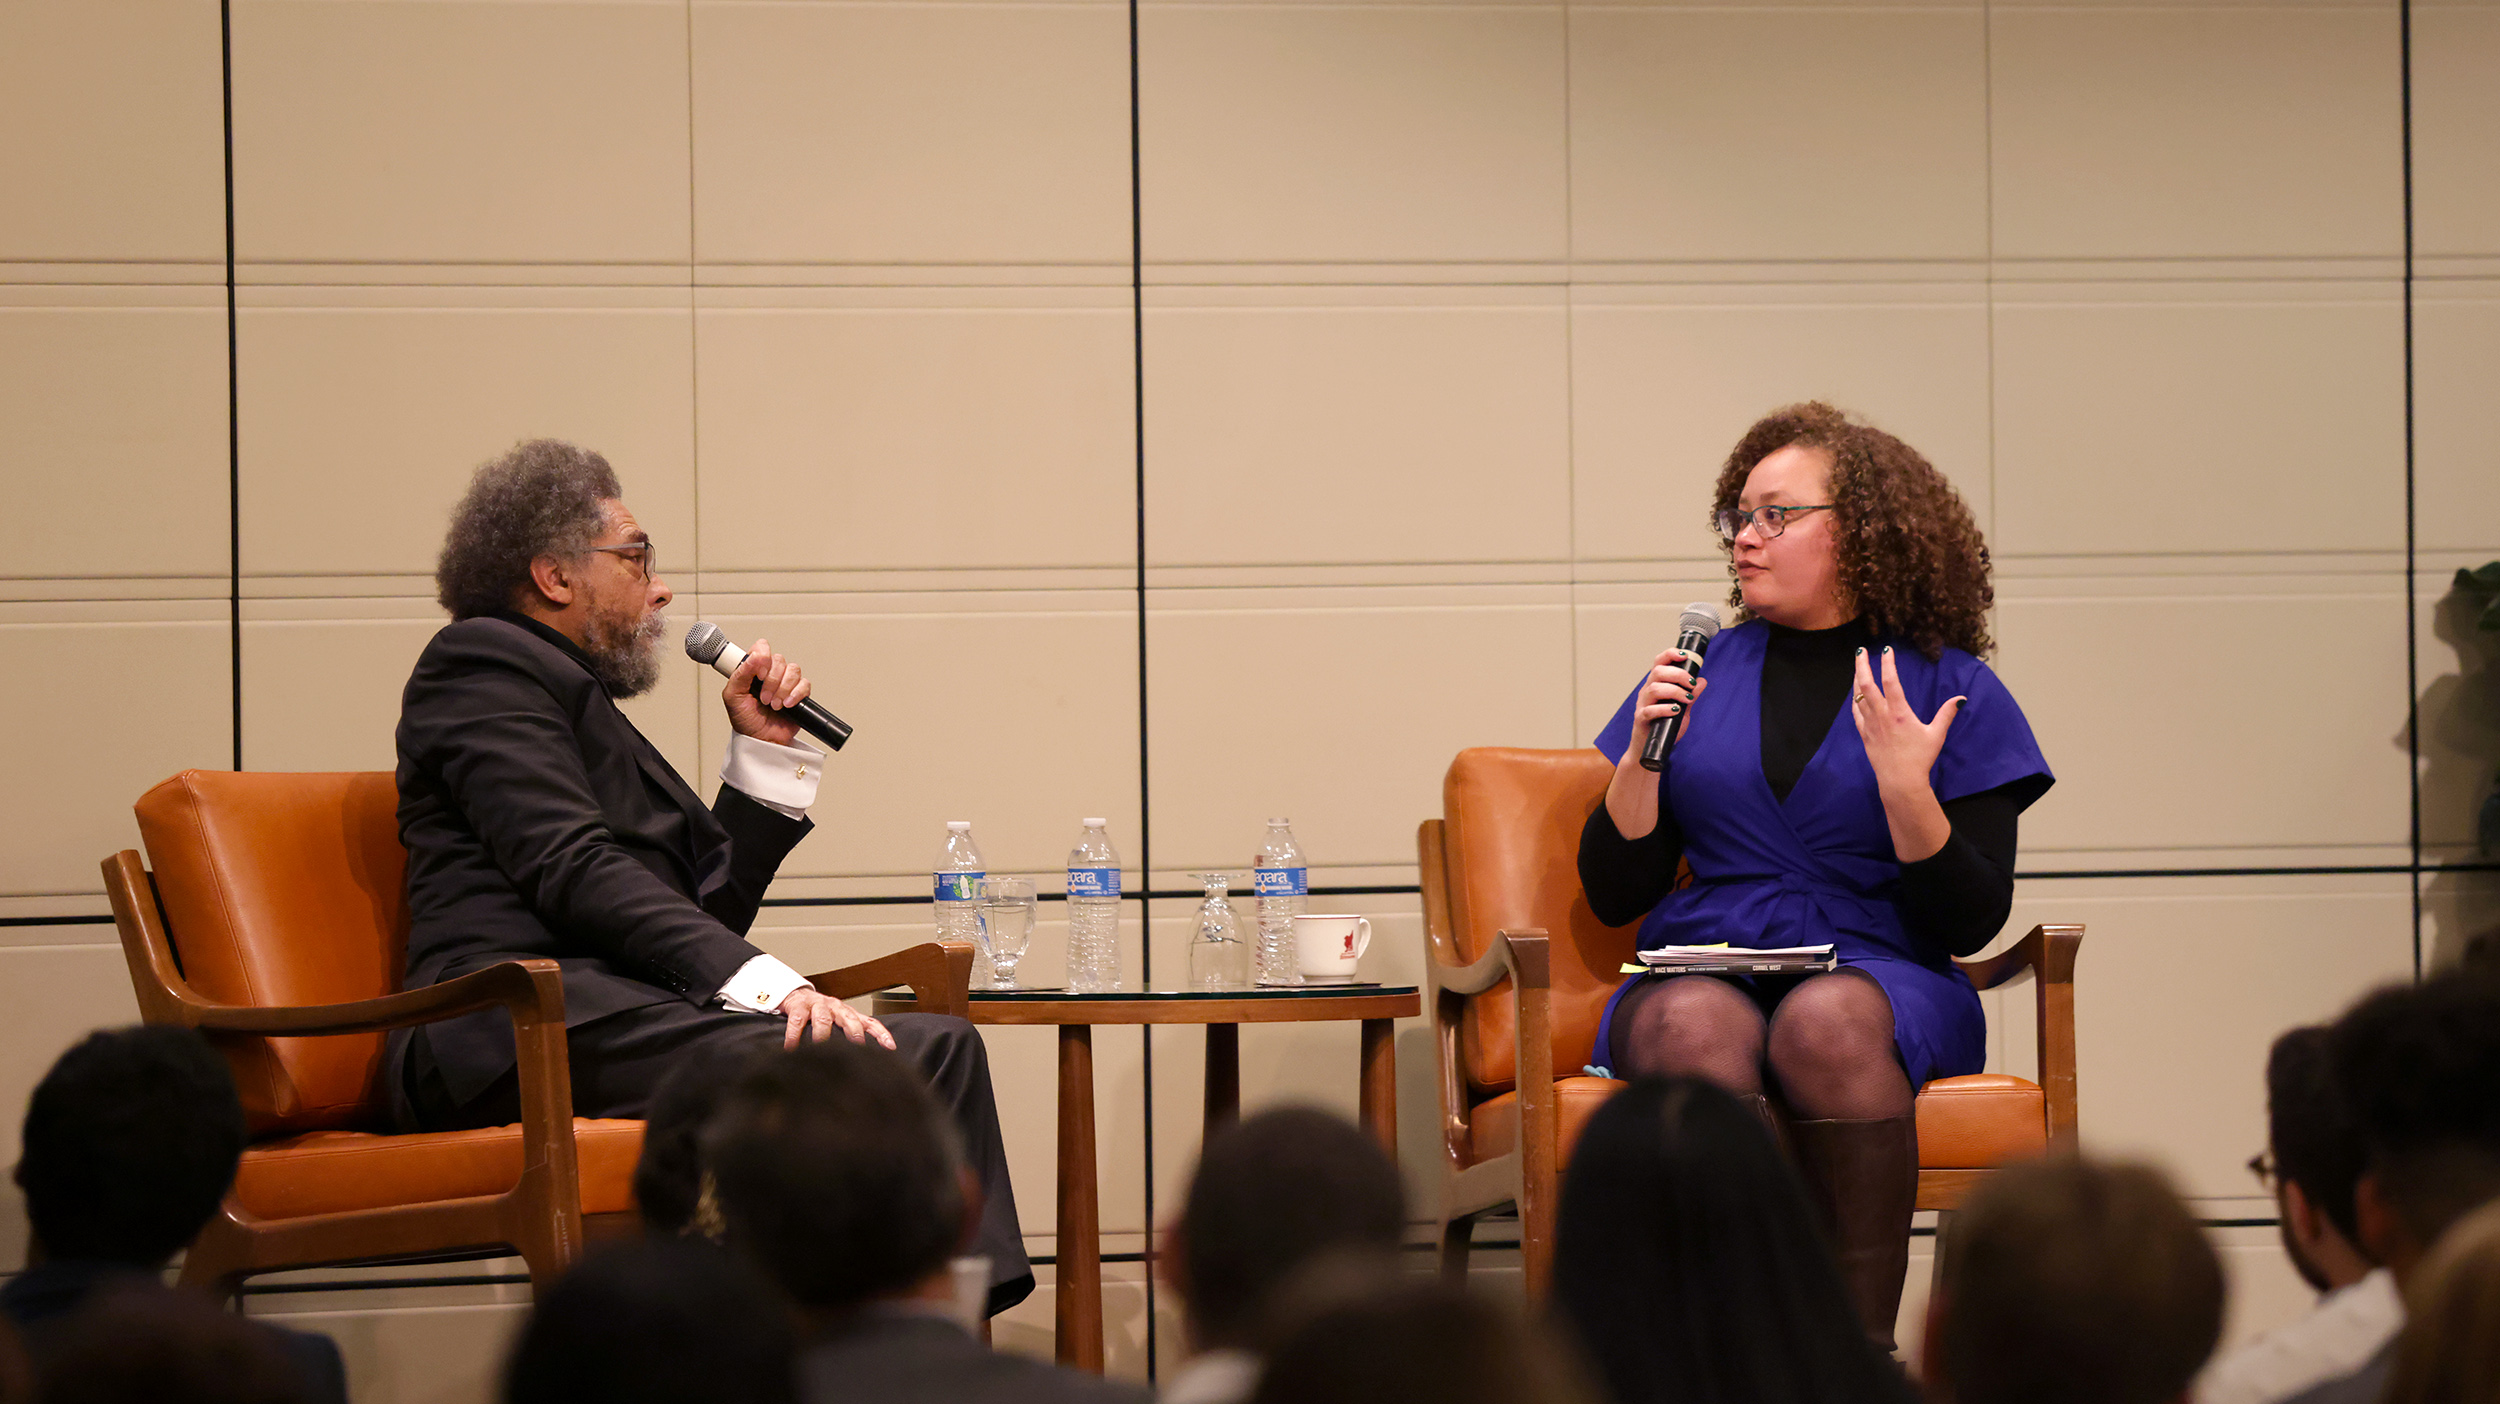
[1695,630]
[705,643]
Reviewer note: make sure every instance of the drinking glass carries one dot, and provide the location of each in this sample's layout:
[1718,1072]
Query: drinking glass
[1219,959]
[1006,925]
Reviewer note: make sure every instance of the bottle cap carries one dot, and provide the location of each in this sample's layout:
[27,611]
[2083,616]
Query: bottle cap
[1280,823]
[959,826]
[1094,823]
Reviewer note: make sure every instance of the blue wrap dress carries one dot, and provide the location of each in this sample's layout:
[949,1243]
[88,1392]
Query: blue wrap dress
[1819,866]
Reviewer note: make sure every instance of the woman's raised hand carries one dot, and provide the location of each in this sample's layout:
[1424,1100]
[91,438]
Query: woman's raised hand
[1902,748]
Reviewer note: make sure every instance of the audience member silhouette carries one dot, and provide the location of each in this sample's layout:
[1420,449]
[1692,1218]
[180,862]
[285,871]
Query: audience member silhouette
[139,1343]
[2418,1065]
[130,1142]
[1271,1196]
[838,1173]
[2067,1281]
[2313,1157]
[1688,1264]
[670,1186]
[1422,1343]
[2450,1350]
[656,1321]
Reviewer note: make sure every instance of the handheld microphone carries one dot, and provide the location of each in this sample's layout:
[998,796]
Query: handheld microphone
[1699,624]
[705,643]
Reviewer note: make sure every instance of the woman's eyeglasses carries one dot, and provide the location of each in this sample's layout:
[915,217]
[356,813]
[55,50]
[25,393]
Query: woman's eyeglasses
[1770,521]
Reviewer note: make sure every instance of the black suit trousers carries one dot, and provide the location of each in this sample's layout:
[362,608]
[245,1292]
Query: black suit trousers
[617,1062]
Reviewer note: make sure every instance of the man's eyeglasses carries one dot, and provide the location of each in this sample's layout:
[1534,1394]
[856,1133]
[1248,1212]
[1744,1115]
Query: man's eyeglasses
[1770,521]
[644,556]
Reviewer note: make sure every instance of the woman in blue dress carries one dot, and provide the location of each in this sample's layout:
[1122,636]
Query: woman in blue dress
[1850,772]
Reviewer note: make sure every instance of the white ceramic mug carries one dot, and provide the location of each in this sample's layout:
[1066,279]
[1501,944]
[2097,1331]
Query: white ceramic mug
[1326,947]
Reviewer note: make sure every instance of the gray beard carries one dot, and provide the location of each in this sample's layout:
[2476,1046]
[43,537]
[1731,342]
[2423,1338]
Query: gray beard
[626,661]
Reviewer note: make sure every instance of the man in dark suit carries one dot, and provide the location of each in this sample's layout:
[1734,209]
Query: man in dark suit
[540,823]
[837,1176]
[130,1142]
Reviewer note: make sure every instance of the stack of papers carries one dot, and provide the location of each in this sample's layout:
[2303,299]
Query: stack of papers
[1726,957]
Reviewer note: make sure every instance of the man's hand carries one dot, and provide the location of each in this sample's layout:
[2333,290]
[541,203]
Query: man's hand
[814,1014]
[783,687]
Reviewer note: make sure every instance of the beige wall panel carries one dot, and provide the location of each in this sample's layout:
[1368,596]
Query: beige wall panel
[417,1354]
[1660,391]
[2221,133]
[2456,129]
[76,780]
[323,694]
[2457,908]
[2458,671]
[2184,983]
[825,430]
[50,997]
[115,454]
[2138,420]
[911,133]
[497,132]
[1285,133]
[116,146]
[1795,134]
[1395,432]
[2222,747]
[1028,1329]
[1022,720]
[1350,738]
[362,424]
[2456,463]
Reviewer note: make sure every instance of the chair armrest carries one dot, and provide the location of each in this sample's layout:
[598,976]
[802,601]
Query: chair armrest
[2048,952]
[938,972]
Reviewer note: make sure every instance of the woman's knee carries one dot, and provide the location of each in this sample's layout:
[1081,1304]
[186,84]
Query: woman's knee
[1699,1027]
[1835,1021]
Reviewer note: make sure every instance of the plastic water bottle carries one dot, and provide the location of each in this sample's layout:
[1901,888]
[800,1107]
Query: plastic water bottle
[1093,912]
[1283,886]
[956,884]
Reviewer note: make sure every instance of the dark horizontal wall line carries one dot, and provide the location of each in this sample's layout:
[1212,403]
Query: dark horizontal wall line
[93,919]
[1158,894]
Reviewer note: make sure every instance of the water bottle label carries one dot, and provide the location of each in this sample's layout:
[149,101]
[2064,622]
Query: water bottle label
[959,887]
[1093,882]
[1283,882]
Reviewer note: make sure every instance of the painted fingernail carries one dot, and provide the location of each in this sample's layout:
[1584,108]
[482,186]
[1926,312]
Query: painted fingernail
[1888,650]
[1861,653]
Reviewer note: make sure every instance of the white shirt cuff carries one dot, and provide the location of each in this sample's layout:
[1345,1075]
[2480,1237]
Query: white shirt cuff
[760,985]
[783,779]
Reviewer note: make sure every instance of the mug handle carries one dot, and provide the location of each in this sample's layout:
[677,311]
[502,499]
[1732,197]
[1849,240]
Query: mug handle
[1362,936]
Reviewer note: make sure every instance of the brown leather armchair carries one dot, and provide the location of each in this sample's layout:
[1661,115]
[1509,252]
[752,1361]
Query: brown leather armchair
[276,922]
[1519,970]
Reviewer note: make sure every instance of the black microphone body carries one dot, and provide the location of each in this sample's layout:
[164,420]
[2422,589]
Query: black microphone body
[706,644]
[1700,625]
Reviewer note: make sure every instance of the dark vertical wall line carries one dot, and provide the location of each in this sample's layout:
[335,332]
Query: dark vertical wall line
[2413,651]
[1145,786]
[234,422]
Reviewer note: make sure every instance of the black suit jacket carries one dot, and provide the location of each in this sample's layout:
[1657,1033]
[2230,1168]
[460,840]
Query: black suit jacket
[44,1298]
[539,822]
[895,1355]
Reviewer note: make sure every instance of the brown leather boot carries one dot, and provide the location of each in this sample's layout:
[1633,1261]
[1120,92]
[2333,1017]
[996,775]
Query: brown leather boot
[1772,1122]
[1863,1176]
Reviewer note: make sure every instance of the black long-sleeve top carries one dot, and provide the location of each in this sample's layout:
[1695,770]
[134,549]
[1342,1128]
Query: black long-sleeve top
[1956,898]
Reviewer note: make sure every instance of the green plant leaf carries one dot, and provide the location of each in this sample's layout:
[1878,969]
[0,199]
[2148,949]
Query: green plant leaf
[2491,618]
[2482,579]
[2488,831]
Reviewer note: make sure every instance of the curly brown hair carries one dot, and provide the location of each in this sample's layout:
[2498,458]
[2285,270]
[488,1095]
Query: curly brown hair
[1911,560]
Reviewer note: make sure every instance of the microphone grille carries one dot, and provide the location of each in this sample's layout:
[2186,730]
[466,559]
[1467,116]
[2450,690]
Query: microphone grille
[704,642]
[1700,615]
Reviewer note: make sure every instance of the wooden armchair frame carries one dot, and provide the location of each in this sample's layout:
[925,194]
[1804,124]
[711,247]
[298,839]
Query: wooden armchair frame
[1528,1176]
[541,1215]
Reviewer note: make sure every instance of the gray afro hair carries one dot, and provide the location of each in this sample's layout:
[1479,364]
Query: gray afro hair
[542,498]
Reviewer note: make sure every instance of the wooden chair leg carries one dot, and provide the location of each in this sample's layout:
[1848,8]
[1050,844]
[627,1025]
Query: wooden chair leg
[1458,1232]
[215,1261]
[1935,1262]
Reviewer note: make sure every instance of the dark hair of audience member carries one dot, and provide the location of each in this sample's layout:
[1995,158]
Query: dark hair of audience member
[1272,1195]
[130,1141]
[2066,1281]
[1419,1343]
[17,1370]
[656,1321]
[2450,1350]
[150,1345]
[1688,1264]
[668,1179]
[2419,1064]
[2310,1130]
[838,1173]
